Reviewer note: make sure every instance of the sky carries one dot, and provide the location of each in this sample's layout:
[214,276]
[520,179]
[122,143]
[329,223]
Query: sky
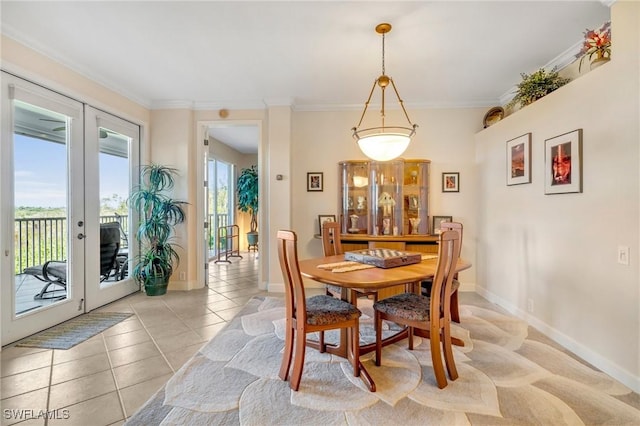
[40,168]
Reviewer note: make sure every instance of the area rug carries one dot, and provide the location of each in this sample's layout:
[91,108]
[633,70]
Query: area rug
[77,330]
[506,378]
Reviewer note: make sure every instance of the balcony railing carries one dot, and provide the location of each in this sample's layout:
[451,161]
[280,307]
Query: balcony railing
[38,240]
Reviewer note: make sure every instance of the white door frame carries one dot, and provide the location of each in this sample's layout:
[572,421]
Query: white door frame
[15,326]
[97,293]
[202,134]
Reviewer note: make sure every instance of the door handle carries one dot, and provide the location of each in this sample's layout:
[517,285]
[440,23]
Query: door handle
[81,236]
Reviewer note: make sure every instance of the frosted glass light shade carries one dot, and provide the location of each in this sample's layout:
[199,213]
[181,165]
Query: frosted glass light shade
[384,146]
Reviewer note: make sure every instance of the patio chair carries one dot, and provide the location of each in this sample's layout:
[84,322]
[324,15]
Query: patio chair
[54,272]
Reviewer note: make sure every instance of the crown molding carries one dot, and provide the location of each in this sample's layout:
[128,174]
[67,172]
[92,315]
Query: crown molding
[80,69]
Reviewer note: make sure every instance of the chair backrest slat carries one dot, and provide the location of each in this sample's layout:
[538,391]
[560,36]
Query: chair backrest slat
[294,288]
[331,244]
[449,252]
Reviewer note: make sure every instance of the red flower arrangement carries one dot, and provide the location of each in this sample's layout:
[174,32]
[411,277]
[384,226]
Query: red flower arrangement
[596,42]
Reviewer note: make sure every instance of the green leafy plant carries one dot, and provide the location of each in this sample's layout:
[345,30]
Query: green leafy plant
[247,189]
[537,85]
[159,214]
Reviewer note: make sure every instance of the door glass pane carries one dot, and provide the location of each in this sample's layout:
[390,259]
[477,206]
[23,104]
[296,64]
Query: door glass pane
[220,203]
[114,192]
[40,206]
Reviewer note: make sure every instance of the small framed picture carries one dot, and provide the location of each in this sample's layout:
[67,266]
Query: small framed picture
[322,218]
[450,182]
[519,160]
[437,220]
[563,163]
[315,181]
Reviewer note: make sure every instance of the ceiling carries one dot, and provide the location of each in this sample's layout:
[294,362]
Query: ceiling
[313,55]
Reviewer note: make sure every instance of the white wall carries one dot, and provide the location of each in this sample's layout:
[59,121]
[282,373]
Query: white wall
[560,251]
[445,136]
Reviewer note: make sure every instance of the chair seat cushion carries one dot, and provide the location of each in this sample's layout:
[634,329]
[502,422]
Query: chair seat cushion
[56,270]
[326,310]
[409,306]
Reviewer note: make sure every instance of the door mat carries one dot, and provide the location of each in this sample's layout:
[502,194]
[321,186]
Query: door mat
[77,330]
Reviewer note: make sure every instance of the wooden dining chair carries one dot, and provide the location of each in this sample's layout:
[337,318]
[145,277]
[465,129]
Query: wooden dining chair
[331,246]
[427,313]
[318,313]
[426,285]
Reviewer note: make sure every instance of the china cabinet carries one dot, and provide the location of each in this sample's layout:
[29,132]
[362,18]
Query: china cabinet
[384,204]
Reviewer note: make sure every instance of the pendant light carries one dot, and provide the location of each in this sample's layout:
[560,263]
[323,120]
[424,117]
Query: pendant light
[384,142]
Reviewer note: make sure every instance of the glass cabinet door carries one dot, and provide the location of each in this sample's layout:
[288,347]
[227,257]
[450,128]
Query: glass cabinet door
[384,198]
[386,202]
[354,197]
[416,198]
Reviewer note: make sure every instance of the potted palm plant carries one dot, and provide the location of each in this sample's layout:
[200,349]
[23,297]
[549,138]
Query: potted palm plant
[159,214]
[247,189]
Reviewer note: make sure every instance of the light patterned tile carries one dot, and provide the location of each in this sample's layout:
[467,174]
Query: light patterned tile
[141,371]
[36,400]
[83,350]
[27,362]
[75,369]
[126,339]
[25,382]
[133,353]
[172,343]
[136,395]
[102,410]
[81,389]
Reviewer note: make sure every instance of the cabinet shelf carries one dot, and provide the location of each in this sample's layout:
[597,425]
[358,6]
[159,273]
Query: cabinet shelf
[393,198]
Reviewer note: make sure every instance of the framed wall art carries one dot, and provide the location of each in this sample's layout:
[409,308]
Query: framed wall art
[322,218]
[315,181]
[519,160]
[437,220]
[450,182]
[563,163]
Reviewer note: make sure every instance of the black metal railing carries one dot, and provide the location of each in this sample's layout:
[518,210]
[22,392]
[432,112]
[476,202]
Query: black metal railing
[221,222]
[38,240]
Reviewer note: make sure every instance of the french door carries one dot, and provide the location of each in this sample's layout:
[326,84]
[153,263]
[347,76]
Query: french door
[219,201]
[111,153]
[52,158]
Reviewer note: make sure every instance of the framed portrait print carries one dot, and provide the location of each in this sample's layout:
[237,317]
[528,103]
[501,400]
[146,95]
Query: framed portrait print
[451,182]
[563,163]
[315,181]
[322,218]
[519,160]
[437,220]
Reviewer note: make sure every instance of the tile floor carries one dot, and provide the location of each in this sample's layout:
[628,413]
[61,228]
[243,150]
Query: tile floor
[104,380]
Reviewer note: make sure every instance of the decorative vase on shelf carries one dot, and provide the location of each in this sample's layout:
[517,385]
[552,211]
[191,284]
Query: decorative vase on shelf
[599,60]
[354,224]
[415,222]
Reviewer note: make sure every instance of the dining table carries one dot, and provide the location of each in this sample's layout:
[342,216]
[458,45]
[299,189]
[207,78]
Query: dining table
[354,277]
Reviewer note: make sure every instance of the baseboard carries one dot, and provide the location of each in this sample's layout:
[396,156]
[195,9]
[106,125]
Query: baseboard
[182,286]
[605,365]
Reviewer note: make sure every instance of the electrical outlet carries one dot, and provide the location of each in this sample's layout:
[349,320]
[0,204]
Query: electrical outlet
[623,255]
[183,276]
[530,305]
